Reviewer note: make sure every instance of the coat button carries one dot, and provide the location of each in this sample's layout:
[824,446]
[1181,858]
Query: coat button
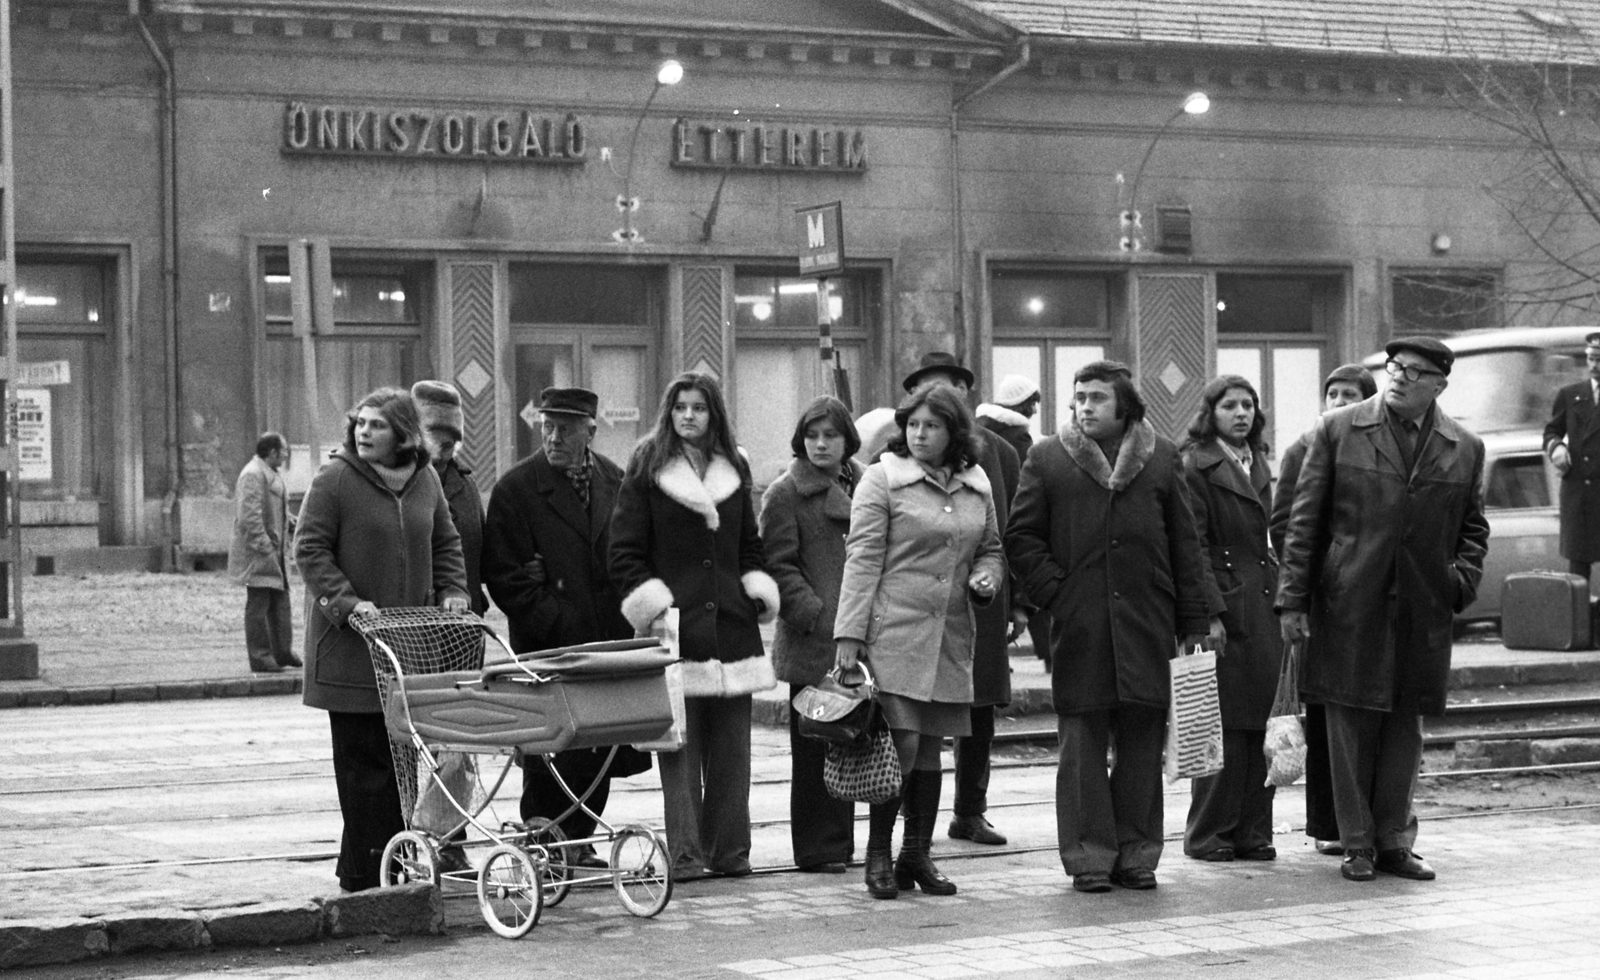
[948,508]
[323,600]
[941,578]
[1116,595]
[706,563]
[711,605]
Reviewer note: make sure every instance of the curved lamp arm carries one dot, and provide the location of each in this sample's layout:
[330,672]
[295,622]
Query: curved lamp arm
[1196,104]
[670,73]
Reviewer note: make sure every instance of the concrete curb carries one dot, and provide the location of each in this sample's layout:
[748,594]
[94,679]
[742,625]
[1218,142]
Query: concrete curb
[415,909]
[218,687]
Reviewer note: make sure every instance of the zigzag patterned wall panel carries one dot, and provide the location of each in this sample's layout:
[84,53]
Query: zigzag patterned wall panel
[473,356]
[1172,349]
[703,320]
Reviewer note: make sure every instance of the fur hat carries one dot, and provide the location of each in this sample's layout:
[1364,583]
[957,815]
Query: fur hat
[438,406]
[1014,390]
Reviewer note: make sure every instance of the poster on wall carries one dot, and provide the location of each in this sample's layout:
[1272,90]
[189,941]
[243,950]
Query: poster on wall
[34,461]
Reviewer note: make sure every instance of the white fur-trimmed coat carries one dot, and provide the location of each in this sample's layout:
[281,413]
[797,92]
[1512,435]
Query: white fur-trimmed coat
[679,540]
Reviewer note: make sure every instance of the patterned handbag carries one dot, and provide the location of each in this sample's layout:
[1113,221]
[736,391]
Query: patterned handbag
[867,771]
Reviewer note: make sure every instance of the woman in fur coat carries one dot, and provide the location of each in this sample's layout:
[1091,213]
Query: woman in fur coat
[684,534]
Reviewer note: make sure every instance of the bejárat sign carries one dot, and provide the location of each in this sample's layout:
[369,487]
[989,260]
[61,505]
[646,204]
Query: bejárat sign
[762,146]
[395,133]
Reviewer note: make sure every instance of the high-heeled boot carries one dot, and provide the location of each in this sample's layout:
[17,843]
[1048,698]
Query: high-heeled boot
[915,867]
[880,849]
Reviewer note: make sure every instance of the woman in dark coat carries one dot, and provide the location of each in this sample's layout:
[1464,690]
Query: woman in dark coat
[684,535]
[375,532]
[924,548]
[1229,488]
[805,516]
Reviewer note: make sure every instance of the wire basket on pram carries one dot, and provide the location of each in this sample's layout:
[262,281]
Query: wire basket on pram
[442,707]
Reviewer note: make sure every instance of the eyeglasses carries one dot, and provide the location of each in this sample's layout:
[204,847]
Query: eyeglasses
[1396,369]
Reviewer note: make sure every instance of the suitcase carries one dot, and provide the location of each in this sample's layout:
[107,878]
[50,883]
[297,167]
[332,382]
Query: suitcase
[1545,610]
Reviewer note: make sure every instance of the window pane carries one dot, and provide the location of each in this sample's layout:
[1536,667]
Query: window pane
[1430,303]
[1023,360]
[1033,300]
[1296,395]
[1243,361]
[1268,304]
[770,298]
[618,375]
[362,293]
[1517,482]
[61,292]
[1068,361]
[72,440]
[601,294]
[541,366]
[776,381]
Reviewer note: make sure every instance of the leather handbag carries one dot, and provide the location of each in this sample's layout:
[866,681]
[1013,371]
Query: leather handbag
[837,709]
[867,771]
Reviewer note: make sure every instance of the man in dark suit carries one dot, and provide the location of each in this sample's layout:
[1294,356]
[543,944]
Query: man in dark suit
[1572,440]
[544,561]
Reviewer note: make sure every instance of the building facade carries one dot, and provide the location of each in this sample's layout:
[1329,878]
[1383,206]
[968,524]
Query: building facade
[235,217]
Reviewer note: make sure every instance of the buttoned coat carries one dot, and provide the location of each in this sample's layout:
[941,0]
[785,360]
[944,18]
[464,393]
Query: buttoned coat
[534,511]
[991,665]
[466,510]
[1230,510]
[912,548]
[691,542]
[358,540]
[1382,559]
[258,551]
[805,516]
[1575,419]
[1113,554]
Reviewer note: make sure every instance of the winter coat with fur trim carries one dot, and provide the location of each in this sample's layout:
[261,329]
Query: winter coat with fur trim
[913,545]
[680,540]
[1114,555]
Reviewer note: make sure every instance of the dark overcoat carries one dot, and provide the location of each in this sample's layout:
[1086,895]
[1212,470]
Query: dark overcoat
[1289,464]
[991,656]
[682,540]
[1230,515]
[1011,426]
[466,509]
[359,540]
[1113,555]
[1382,559]
[534,510]
[1575,418]
[805,515]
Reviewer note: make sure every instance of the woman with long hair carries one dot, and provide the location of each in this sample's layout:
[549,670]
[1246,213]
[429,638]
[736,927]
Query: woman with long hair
[375,532]
[924,547]
[805,516]
[684,534]
[1229,487]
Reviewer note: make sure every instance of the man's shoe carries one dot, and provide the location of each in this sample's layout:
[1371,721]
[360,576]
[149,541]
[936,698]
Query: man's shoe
[1216,854]
[976,829]
[453,860]
[1404,863]
[1266,852]
[824,868]
[1332,848]
[1135,879]
[266,667]
[1092,882]
[291,661]
[587,858]
[1357,866]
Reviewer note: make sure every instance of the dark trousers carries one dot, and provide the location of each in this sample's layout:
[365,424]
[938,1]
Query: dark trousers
[542,796]
[706,787]
[268,635]
[1232,808]
[1321,821]
[972,764]
[1374,757]
[1110,821]
[369,799]
[821,828]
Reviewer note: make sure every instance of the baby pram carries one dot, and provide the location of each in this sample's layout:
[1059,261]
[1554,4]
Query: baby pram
[445,709]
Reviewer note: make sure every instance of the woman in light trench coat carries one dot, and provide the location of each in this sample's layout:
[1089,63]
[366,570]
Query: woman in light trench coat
[923,547]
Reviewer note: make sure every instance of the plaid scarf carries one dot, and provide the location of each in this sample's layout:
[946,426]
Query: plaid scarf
[580,476]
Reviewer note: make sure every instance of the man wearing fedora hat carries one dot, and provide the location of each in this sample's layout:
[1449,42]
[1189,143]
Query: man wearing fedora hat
[547,536]
[1385,543]
[1572,441]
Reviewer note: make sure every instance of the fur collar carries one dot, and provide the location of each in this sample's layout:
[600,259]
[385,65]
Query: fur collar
[1138,445]
[1003,415]
[903,471]
[677,480]
[810,481]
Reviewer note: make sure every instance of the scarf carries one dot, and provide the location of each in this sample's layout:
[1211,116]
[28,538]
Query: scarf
[395,477]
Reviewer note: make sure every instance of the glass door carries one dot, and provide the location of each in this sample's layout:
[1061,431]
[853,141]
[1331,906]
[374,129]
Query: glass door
[612,366]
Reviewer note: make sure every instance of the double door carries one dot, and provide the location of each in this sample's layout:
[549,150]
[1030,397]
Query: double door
[614,362]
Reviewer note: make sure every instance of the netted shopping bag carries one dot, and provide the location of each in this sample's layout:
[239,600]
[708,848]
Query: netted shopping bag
[1285,744]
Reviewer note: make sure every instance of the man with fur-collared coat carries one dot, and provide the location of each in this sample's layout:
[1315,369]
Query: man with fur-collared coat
[1102,537]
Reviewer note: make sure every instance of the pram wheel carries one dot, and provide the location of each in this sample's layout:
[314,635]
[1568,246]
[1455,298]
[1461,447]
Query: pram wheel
[641,870]
[510,892]
[558,881]
[410,856]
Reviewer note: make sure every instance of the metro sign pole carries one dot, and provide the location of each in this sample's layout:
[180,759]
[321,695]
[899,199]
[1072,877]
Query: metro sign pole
[822,231]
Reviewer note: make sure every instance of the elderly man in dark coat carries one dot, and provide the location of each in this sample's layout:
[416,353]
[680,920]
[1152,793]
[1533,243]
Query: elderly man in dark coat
[1572,440]
[544,559]
[439,410]
[1102,537]
[1385,543]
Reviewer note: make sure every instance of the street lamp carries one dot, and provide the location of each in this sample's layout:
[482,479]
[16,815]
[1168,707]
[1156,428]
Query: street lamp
[670,73]
[1197,104]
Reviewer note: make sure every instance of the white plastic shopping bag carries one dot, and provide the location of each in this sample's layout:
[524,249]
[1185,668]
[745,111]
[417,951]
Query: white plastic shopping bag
[665,629]
[1194,718]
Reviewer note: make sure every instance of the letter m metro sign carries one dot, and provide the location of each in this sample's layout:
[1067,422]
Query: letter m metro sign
[822,239]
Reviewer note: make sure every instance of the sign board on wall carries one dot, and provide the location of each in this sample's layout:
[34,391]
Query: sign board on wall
[37,374]
[517,136]
[821,239]
[724,145]
[34,458]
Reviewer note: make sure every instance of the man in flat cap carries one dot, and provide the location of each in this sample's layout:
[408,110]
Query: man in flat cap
[1572,440]
[1385,543]
[544,560]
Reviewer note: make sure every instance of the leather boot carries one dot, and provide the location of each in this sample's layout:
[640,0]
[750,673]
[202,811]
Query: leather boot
[880,849]
[915,867]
